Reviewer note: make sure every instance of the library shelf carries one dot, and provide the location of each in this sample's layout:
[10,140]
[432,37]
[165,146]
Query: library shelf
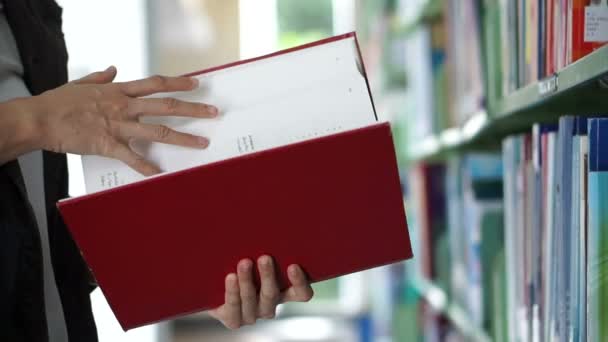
[581,88]
[439,302]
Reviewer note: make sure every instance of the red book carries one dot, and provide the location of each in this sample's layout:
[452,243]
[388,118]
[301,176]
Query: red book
[580,12]
[161,247]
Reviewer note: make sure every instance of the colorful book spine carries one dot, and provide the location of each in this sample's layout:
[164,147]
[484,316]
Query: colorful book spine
[550,33]
[597,247]
[563,226]
[548,150]
[510,153]
[531,34]
[542,38]
[576,229]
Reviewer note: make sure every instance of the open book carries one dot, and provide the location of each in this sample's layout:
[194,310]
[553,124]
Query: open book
[298,169]
[291,96]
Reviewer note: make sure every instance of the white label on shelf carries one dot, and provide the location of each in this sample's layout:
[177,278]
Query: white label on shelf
[547,85]
[596,24]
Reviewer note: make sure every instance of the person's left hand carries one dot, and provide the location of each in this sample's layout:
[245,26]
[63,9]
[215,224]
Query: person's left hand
[244,305]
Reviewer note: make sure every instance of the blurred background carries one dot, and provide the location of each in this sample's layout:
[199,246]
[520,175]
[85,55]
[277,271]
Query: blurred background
[454,78]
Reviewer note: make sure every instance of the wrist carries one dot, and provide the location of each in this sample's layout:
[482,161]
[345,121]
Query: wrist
[28,128]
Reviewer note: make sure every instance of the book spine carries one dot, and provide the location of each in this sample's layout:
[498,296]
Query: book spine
[542,39]
[521,42]
[597,247]
[550,33]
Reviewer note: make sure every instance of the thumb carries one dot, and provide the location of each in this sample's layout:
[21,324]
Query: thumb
[99,77]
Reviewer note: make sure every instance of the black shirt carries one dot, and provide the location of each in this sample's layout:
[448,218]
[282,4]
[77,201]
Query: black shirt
[36,25]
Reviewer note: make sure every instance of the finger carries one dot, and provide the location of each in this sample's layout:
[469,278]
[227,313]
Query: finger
[133,160]
[159,133]
[300,290]
[169,106]
[158,84]
[249,298]
[99,77]
[269,292]
[232,302]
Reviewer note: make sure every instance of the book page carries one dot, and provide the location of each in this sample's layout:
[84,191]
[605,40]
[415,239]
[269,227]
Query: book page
[263,104]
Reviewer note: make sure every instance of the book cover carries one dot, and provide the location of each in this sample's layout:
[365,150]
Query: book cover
[588,20]
[181,233]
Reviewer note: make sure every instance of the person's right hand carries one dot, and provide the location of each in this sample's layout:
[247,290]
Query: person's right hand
[92,115]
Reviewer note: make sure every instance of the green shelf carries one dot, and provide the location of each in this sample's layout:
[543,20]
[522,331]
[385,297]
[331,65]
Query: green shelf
[579,89]
[438,300]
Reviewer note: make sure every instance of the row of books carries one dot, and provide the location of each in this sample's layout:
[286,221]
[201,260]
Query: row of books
[540,37]
[556,207]
[519,239]
[455,215]
[477,52]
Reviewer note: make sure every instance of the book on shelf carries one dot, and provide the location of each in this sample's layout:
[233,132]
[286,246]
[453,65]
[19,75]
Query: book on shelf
[464,52]
[298,168]
[550,200]
[483,222]
[426,205]
[597,243]
[463,195]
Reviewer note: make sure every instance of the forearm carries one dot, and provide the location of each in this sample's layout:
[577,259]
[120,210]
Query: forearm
[19,128]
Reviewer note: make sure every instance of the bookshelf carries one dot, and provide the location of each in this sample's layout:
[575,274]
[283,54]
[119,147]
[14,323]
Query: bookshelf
[580,88]
[474,182]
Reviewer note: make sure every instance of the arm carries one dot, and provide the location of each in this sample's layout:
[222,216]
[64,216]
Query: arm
[18,128]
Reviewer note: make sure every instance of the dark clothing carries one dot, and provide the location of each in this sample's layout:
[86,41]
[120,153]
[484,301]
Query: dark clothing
[36,25]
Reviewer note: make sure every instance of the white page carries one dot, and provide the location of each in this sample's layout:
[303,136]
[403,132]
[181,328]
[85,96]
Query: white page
[263,104]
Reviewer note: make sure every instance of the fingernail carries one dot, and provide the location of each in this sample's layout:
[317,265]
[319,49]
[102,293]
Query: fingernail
[194,82]
[203,142]
[245,265]
[265,261]
[213,110]
[110,68]
[292,270]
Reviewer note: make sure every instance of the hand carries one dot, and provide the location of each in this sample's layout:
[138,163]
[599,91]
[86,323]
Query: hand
[243,305]
[92,115]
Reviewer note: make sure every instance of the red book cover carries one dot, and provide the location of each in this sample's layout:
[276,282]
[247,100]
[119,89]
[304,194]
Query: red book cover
[161,247]
[579,46]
